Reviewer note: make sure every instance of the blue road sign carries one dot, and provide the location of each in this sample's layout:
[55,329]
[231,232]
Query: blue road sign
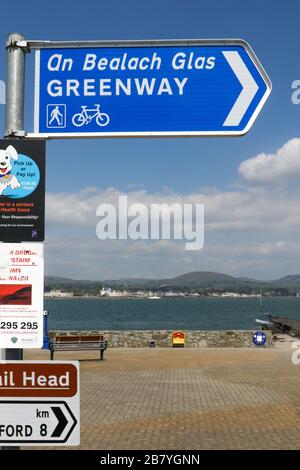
[158,88]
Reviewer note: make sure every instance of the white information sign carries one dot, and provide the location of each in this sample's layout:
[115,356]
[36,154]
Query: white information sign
[39,403]
[21,295]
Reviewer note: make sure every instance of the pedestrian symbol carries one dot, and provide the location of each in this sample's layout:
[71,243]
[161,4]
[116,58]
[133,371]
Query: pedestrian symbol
[56,115]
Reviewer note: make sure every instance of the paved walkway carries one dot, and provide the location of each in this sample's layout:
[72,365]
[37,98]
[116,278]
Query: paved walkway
[188,399]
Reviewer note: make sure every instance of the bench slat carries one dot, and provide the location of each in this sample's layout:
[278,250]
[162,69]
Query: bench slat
[91,338]
[67,339]
[78,343]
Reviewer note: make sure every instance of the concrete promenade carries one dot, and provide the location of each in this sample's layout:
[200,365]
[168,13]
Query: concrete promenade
[188,398]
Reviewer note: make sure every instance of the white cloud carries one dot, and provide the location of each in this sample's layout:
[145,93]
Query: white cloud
[273,168]
[250,231]
[236,211]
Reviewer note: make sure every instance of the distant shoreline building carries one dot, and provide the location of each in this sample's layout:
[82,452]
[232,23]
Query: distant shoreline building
[58,294]
[113,293]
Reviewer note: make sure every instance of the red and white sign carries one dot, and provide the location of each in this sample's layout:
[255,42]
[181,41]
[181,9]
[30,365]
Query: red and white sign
[21,295]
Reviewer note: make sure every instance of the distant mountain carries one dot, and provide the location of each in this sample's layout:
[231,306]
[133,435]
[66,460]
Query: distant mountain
[203,276]
[193,280]
[291,280]
[53,280]
[59,280]
[127,282]
[198,279]
[249,279]
[64,283]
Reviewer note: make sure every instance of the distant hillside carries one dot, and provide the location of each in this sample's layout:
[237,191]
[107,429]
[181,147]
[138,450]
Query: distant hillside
[61,280]
[202,279]
[127,282]
[288,281]
[64,283]
[198,279]
[194,280]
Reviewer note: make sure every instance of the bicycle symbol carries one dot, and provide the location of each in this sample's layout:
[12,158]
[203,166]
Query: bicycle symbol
[88,114]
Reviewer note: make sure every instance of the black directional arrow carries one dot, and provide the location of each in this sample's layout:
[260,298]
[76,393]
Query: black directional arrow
[62,421]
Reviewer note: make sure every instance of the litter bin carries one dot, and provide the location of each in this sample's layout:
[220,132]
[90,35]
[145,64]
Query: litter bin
[178,339]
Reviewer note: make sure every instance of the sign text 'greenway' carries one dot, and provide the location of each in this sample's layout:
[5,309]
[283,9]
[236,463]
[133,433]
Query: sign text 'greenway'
[199,89]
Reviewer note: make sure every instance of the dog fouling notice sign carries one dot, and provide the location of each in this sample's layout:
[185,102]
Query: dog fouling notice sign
[22,190]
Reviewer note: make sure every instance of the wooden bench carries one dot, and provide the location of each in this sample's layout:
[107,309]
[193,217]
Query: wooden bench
[78,343]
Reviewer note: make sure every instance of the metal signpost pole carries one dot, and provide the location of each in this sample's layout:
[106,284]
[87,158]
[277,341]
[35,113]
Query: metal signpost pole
[14,116]
[14,124]
[15,77]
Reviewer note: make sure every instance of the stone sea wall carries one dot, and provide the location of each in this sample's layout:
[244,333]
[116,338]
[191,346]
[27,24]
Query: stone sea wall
[163,338]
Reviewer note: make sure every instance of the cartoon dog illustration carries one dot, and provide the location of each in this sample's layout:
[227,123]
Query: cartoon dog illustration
[6,177]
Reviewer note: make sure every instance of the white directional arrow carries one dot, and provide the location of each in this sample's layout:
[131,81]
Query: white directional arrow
[248,92]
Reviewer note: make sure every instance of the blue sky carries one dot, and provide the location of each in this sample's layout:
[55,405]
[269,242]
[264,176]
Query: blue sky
[159,166]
